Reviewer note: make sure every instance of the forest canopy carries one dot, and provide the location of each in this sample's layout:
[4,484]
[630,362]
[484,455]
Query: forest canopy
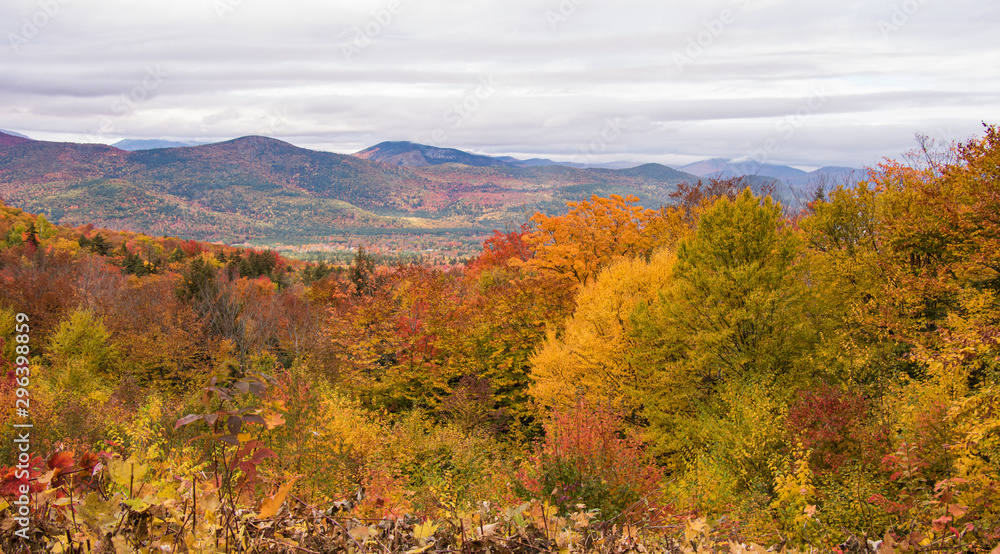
[711,374]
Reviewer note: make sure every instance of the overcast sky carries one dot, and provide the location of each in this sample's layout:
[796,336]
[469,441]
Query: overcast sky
[799,82]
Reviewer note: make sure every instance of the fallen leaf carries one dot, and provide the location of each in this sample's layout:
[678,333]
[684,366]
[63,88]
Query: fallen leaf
[424,530]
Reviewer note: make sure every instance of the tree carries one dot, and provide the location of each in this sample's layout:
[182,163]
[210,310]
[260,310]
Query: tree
[597,233]
[362,273]
[721,348]
[82,351]
[591,357]
[737,282]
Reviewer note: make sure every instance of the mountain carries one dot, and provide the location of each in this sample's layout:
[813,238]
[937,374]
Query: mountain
[830,176]
[149,144]
[13,134]
[8,139]
[534,162]
[265,190]
[411,154]
[725,168]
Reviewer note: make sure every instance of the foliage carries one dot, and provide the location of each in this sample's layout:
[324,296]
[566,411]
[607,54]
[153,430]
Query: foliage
[711,376]
[592,352]
[595,233]
[584,462]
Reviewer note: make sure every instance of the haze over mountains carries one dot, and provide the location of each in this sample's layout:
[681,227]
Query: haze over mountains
[411,154]
[262,190]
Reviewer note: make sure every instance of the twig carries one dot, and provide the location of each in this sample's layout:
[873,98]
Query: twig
[299,548]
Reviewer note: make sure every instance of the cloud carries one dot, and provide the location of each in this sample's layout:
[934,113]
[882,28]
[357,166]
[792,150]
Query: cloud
[347,74]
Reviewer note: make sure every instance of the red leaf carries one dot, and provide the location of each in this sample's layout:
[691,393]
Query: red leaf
[61,460]
[190,418]
[261,454]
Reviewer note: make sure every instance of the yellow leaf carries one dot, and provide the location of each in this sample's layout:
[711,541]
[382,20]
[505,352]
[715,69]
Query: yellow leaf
[272,504]
[425,530]
[127,473]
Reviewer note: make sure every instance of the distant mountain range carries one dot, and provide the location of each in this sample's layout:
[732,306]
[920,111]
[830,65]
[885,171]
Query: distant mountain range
[411,154]
[150,144]
[795,178]
[12,133]
[260,189]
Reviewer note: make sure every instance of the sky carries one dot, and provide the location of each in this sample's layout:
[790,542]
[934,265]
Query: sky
[797,82]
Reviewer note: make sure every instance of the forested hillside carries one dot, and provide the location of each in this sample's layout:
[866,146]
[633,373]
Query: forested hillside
[264,191]
[720,374]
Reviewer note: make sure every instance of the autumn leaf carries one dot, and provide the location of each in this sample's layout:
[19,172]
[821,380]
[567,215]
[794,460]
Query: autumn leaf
[273,419]
[424,531]
[957,511]
[61,460]
[190,418]
[273,503]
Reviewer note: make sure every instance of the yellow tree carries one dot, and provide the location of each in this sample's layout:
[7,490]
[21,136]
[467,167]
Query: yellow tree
[591,357]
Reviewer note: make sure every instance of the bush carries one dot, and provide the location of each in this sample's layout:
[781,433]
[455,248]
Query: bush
[587,458]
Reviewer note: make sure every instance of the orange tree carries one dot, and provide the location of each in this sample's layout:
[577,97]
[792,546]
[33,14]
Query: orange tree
[594,234]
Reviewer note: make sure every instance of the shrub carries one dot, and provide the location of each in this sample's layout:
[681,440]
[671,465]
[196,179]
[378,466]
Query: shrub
[587,458]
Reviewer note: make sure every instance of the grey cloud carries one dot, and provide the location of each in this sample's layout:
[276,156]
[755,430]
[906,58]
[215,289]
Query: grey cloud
[280,70]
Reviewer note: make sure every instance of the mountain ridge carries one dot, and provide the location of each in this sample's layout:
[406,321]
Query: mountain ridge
[264,189]
[150,144]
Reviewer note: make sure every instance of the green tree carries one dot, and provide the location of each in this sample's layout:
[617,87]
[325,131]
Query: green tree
[727,341]
[82,352]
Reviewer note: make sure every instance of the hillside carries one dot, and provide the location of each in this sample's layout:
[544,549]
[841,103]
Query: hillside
[262,190]
[411,154]
[149,144]
[716,360]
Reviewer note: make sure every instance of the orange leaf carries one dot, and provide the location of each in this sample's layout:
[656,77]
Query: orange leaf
[957,511]
[61,460]
[272,504]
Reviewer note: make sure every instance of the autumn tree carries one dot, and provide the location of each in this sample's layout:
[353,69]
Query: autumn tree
[597,233]
[912,256]
[592,356]
[730,328]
